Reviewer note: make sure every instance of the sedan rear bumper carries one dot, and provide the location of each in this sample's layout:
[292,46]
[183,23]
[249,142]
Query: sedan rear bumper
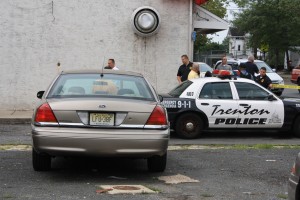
[140,143]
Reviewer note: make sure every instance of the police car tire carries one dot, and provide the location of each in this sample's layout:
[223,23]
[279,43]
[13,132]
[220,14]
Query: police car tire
[296,127]
[192,120]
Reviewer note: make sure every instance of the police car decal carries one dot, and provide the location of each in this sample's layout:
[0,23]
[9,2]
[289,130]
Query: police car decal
[190,112]
[177,104]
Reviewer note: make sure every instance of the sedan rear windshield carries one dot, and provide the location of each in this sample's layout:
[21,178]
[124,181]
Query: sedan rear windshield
[94,85]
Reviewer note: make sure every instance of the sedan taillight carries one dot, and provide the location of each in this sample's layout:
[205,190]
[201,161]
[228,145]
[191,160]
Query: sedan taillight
[157,117]
[45,114]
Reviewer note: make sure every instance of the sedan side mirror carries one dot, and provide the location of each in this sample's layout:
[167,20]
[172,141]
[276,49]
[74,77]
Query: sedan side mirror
[160,98]
[40,94]
[271,97]
[274,70]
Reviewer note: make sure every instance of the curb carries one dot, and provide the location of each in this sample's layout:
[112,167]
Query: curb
[15,121]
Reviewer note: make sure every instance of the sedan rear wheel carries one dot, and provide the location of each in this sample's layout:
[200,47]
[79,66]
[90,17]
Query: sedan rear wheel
[296,127]
[40,162]
[189,126]
[157,163]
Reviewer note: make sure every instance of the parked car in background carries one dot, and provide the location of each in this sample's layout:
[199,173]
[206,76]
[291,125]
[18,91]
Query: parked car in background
[293,185]
[295,77]
[92,113]
[204,68]
[275,78]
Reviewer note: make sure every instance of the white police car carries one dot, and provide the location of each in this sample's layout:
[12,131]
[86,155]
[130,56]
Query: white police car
[237,103]
[271,73]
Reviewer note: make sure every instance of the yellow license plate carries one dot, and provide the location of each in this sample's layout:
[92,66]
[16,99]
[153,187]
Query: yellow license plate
[104,119]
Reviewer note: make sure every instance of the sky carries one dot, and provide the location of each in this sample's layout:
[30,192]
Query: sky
[220,36]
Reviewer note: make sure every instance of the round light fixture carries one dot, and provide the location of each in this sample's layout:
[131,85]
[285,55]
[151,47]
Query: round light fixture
[145,21]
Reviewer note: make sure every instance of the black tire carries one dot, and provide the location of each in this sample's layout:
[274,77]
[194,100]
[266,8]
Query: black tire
[157,163]
[40,162]
[296,127]
[189,126]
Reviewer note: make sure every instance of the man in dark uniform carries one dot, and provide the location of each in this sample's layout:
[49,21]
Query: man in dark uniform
[243,72]
[184,69]
[251,67]
[263,79]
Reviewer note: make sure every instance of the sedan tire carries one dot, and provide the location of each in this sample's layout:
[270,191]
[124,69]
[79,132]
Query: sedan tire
[189,126]
[40,162]
[157,163]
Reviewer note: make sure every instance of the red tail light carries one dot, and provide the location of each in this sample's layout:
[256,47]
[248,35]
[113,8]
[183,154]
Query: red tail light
[45,114]
[157,117]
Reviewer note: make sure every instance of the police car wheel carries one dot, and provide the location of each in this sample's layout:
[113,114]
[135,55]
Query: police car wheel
[189,126]
[296,127]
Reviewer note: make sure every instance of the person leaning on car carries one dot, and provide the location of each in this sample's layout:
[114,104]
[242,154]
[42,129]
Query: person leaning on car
[224,65]
[194,73]
[184,69]
[251,67]
[263,79]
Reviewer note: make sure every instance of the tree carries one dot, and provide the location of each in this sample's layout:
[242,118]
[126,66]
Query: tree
[274,23]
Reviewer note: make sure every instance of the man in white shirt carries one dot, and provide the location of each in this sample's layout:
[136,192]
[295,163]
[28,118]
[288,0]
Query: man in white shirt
[224,65]
[111,64]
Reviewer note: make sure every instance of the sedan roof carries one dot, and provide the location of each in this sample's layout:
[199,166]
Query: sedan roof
[99,71]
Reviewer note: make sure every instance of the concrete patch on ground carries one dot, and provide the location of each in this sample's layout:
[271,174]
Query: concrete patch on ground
[14,147]
[124,189]
[175,179]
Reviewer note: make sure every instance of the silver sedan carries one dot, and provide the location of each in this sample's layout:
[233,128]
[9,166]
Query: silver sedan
[294,186]
[94,113]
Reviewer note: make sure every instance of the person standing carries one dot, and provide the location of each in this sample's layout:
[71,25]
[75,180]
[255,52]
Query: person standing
[184,69]
[263,79]
[194,73]
[224,65]
[111,64]
[251,67]
[243,72]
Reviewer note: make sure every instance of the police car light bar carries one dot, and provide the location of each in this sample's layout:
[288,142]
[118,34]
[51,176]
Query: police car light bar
[223,74]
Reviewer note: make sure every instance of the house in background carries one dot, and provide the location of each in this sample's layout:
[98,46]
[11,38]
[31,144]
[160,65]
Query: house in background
[238,47]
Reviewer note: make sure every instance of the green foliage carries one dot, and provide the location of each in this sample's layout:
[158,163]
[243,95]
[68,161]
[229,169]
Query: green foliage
[216,7]
[272,23]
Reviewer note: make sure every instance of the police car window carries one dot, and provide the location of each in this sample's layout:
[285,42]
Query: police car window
[249,91]
[177,91]
[219,90]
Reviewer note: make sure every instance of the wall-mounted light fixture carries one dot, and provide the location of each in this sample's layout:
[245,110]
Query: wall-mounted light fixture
[145,21]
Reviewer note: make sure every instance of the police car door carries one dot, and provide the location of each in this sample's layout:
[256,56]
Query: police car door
[255,110]
[217,102]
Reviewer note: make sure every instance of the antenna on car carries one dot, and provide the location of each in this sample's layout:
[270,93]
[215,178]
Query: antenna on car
[102,67]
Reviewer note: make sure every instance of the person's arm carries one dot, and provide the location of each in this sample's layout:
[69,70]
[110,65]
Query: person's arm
[269,83]
[179,79]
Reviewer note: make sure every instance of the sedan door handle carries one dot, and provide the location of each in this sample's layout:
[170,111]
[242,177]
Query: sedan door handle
[242,104]
[205,104]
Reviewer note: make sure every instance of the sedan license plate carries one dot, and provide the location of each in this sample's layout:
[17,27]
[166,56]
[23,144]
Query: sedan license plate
[104,119]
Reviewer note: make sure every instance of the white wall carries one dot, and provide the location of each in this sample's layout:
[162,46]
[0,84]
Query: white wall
[35,35]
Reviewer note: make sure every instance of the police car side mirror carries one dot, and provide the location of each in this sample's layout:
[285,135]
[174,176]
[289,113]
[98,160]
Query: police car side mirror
[271,97]
[160,98]
[274,70]
[40,94]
